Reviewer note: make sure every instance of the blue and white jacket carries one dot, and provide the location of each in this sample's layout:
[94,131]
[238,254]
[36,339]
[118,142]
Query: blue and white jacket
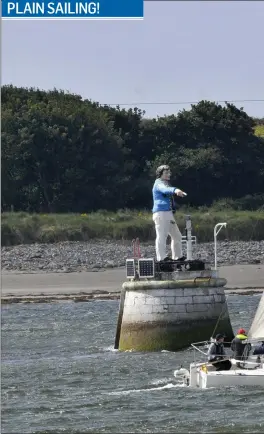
[163,199]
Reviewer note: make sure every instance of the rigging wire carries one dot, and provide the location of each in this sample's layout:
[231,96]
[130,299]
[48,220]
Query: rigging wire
[183,102]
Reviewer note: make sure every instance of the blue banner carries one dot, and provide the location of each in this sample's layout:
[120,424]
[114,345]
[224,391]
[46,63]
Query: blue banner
[101,9]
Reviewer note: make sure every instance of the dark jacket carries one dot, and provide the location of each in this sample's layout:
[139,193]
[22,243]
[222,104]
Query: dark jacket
[259,349]
[239,347]
[216,350]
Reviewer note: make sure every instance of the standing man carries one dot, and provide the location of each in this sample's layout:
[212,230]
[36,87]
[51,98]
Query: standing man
[217,355]
[240,347]
[163,208]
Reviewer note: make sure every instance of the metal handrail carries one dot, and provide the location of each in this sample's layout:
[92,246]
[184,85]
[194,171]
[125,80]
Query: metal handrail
[208,342]
[217,229]
[195,348]
[245,361]
[198,349]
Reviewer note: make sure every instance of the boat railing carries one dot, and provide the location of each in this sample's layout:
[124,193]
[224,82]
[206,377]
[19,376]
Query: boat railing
[205,345]
[200,350]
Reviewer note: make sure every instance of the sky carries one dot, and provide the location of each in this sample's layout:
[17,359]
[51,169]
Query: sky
[183,51]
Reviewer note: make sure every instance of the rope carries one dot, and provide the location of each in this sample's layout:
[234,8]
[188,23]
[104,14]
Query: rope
[223,307]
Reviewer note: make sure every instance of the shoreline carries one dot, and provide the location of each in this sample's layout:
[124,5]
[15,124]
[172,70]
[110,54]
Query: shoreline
[94,256]
[84,297]
[106,285]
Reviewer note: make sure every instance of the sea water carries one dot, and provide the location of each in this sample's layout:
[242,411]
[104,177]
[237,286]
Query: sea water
[60,374]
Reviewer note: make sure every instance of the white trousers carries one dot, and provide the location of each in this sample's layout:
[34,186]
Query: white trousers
[165,225]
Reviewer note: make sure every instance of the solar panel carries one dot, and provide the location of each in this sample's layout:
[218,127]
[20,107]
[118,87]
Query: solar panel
[130,268]
[146,267]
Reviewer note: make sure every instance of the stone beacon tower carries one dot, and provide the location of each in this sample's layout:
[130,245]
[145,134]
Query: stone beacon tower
[168,306]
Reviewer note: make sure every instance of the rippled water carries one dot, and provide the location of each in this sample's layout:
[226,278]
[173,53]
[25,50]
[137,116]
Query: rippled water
[61,374]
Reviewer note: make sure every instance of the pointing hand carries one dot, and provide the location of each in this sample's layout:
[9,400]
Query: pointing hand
[180,193]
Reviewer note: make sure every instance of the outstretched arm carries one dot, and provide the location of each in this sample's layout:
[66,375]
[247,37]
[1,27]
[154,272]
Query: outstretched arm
[163,188]
[180,193]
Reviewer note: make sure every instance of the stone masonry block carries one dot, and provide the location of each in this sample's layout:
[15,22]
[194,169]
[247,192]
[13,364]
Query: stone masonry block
[162,300]
[177,292]
[181,308]
[150,300]
[160,309]
[193,291]
[167,300]
[156,301]
[170,292]
[147,318]
[168,317]
[212,291]
[141,308]
[128,305]
[196,308]
[140,300]
[155,292]
[170,300]
[129,310]
[183,300]
[219,298]
[203,299]
[145,309]
[130,299]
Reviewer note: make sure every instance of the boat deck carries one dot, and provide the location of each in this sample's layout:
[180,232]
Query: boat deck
[247,372]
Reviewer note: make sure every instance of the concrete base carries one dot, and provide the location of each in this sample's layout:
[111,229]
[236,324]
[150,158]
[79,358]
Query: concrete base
[157,336]
[170,315]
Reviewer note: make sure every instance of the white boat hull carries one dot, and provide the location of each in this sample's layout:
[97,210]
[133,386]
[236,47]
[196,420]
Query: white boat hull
[246,372]
[202,378]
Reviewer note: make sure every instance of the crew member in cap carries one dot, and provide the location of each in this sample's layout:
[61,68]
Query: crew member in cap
[217,355]
[163,209]
[239,346]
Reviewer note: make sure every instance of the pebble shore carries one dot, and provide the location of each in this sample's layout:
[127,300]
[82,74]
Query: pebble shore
[67,257]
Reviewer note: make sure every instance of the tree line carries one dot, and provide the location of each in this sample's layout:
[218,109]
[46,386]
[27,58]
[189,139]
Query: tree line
[61,153]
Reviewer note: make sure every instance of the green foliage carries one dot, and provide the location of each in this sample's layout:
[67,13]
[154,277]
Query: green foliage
[259,130]
[62,154]
[20,228]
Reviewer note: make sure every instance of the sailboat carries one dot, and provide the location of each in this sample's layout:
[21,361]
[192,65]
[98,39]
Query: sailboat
[248,372]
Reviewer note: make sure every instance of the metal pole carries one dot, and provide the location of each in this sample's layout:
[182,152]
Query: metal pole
[134,248]
[216,232]
[189,237]
[138,248]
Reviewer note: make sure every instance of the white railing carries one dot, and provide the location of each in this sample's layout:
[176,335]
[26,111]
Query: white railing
[217,229]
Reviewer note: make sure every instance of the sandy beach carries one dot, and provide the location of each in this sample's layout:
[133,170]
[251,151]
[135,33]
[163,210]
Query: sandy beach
[243,279]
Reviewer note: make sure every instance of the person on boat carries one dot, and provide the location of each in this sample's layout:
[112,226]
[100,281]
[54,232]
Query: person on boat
[217,355]
[163,209]
[259,349]
[240,346]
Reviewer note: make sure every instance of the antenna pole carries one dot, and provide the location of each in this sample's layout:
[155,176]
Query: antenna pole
[188,228]
[138,248]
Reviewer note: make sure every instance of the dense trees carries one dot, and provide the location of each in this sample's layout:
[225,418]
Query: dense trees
[61,153]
